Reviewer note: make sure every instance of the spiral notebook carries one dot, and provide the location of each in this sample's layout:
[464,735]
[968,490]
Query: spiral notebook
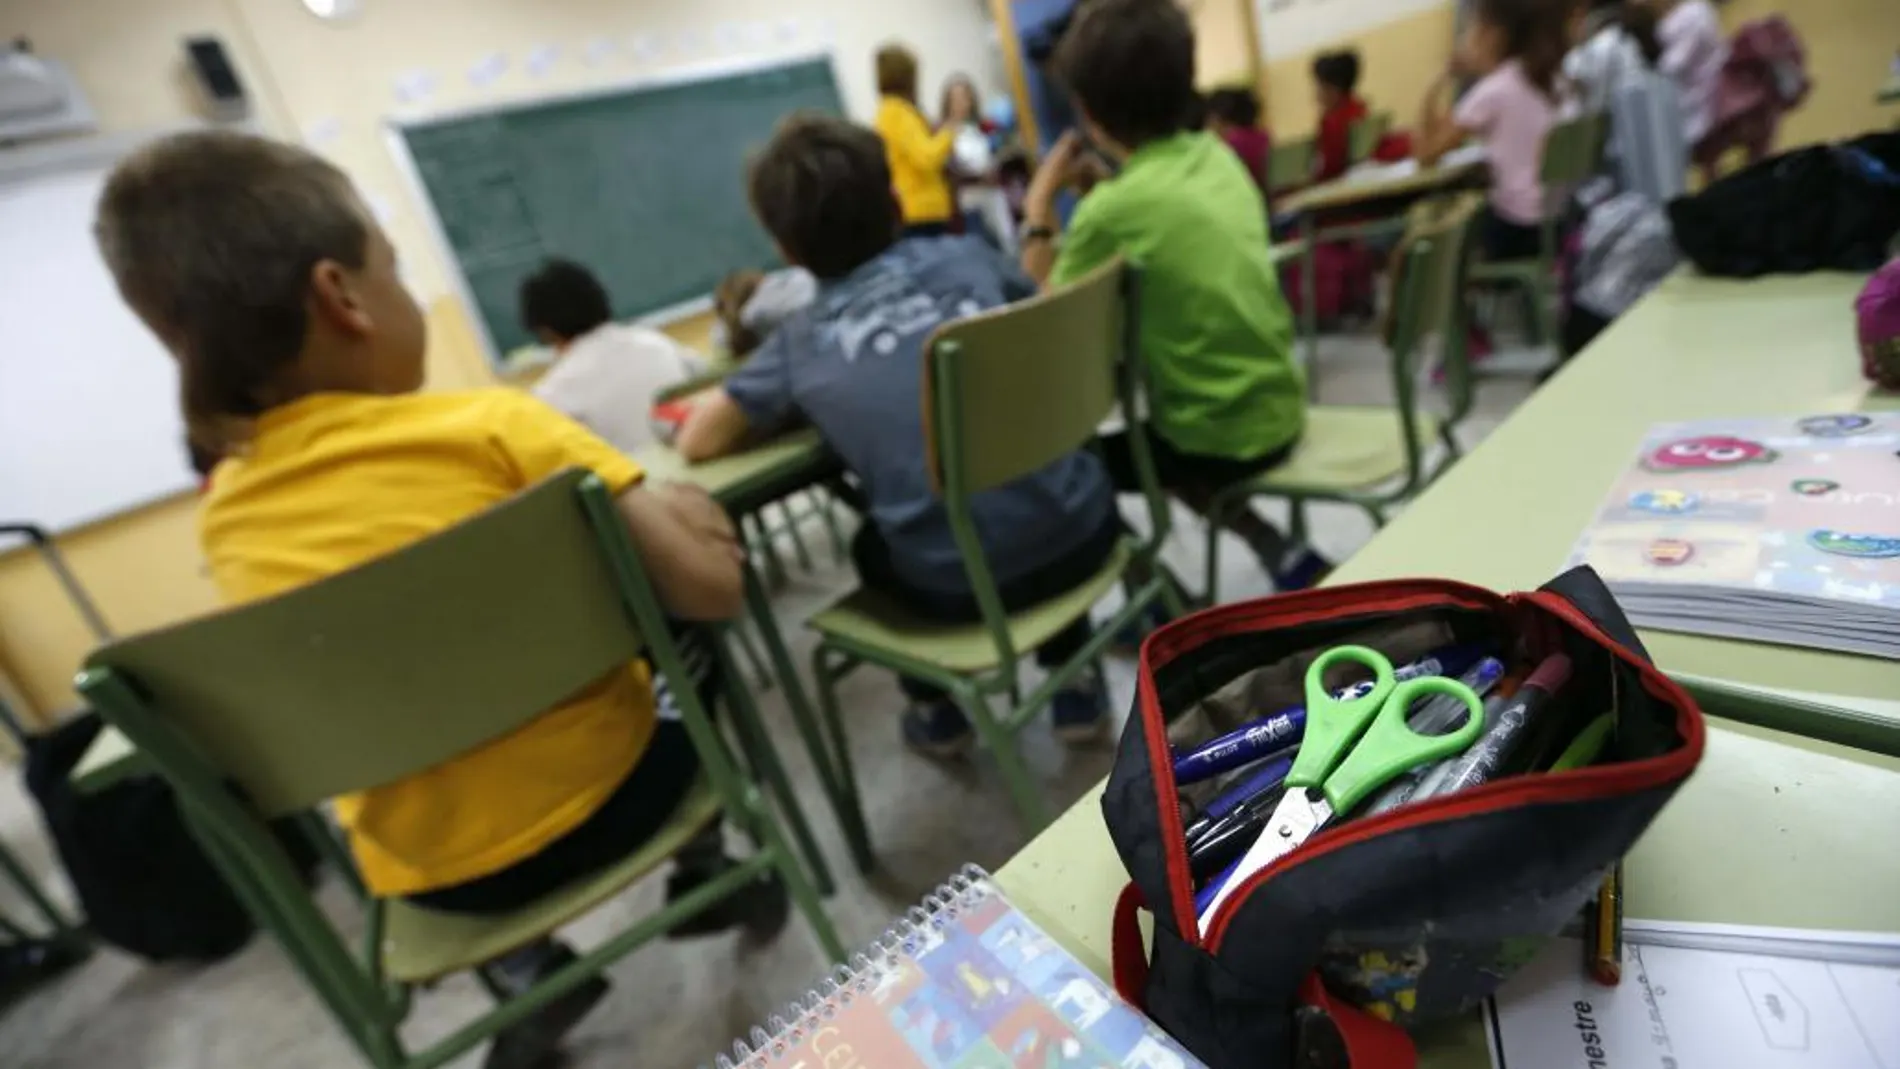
[963,981]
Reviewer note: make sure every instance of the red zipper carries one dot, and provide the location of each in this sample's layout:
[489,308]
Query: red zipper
[1284,610]
[1577,785]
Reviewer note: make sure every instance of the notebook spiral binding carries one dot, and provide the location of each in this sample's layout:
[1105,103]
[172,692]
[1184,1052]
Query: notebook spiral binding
[770,1044]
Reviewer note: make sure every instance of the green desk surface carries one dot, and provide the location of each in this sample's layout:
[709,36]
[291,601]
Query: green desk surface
[1507,516]
[741,482]
[1773,829]
[1352,192]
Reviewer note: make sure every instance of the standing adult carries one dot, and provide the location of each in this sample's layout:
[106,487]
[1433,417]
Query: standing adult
[980,199]
[918,156]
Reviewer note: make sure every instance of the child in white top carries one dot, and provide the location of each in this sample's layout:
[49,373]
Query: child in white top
[607,373]
[1694,51]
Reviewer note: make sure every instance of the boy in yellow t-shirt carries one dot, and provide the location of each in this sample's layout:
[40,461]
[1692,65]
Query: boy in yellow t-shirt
[299,354]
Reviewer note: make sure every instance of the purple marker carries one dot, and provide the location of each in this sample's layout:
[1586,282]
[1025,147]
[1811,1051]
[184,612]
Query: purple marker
[1259,781]
[1271,735]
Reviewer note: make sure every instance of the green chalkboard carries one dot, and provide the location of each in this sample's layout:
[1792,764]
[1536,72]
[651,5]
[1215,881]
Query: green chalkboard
[645,185]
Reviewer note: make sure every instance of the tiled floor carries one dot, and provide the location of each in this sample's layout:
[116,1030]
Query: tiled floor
[673,1005]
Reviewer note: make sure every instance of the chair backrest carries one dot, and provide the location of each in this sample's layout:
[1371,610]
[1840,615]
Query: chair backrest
[1574,151]
[1009,391]
[386,669]
[1428,287]
[1364,137]
[1290,164]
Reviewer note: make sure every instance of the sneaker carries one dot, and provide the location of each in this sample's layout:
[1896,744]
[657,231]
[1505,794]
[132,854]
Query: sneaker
[1304,568]
[535,1043]
[760,911]
[1079,715]
[937,729]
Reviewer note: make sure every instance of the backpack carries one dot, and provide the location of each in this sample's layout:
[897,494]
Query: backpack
[1826,207]
[144,882]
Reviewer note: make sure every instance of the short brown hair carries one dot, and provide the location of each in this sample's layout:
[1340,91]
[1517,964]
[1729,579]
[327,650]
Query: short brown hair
[822,187]
[212,237]
[897,72]
[1130,66]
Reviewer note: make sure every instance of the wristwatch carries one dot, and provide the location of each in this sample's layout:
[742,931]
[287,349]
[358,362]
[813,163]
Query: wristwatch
[1038,232]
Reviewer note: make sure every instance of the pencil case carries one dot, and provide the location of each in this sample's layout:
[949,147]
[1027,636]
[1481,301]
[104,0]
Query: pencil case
[1380,923]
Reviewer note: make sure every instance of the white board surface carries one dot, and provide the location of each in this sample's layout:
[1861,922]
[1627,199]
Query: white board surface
[89,416]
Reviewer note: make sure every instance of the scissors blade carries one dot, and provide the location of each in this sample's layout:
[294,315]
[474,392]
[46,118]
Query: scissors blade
[1299,814]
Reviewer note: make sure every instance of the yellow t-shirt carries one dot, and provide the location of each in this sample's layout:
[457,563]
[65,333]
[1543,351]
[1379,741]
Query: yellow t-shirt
[331,481]
[917,158]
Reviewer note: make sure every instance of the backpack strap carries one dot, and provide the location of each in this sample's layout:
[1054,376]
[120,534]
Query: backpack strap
[1130,957]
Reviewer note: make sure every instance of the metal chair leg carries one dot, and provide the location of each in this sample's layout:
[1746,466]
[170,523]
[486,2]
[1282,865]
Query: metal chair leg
[764,761]
[843,792]
[789,517]
[1023,790]
[762,676]
[828,510]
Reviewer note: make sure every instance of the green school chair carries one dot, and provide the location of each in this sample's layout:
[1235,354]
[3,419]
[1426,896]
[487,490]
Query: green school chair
[390,668]
[1573,154]
[1364,137]
[1290,165]
[1374,457]
[1006,392]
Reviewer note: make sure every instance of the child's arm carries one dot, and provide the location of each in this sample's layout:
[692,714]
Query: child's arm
[755,400]
[1039,207]
[716,427]
[691,552]
[1440,129]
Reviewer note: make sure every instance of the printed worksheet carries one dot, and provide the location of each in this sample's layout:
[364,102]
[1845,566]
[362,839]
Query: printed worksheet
[1681,1008]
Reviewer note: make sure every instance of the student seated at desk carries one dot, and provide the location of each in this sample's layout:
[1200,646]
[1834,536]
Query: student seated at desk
[750,305]
[853,365]
[1517,48]
[1227,401]
[1233,115]
[1336,84]
[606,374]
[299,355]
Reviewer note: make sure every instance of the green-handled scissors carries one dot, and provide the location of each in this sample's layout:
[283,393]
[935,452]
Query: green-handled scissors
[1352,747]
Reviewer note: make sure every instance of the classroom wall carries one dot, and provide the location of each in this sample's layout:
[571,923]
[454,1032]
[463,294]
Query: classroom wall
[331,86]
[1850,46]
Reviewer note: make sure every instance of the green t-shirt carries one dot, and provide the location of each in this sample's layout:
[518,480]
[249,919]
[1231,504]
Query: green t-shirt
[1215,329]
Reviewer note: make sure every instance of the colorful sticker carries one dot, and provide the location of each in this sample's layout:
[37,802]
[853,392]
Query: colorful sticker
[1834,426]
[1842,544]
[1669,552]
[1664,502]
[1711,453]
[1814,487]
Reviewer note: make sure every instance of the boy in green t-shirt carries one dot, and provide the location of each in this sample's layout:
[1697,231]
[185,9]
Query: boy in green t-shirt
[1226,399]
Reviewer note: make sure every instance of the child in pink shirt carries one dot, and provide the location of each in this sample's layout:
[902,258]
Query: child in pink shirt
[1517,48]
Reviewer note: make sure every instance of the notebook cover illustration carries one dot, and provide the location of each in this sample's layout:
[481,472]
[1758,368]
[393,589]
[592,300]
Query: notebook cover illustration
[965,982]
[1797,517]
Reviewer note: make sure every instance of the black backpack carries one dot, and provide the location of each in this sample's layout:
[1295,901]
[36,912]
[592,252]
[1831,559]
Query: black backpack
[145,884]
[1829,207]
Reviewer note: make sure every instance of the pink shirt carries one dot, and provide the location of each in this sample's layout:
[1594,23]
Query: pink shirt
[1512,117]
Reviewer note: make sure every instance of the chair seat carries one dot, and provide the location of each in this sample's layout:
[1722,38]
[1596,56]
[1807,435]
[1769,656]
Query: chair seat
[422,944]
[1344,449]
[866,619]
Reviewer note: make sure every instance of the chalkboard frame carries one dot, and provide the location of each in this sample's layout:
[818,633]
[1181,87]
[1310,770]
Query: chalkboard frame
[397,127]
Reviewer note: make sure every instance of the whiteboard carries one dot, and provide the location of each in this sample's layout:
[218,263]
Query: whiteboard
[89,415]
